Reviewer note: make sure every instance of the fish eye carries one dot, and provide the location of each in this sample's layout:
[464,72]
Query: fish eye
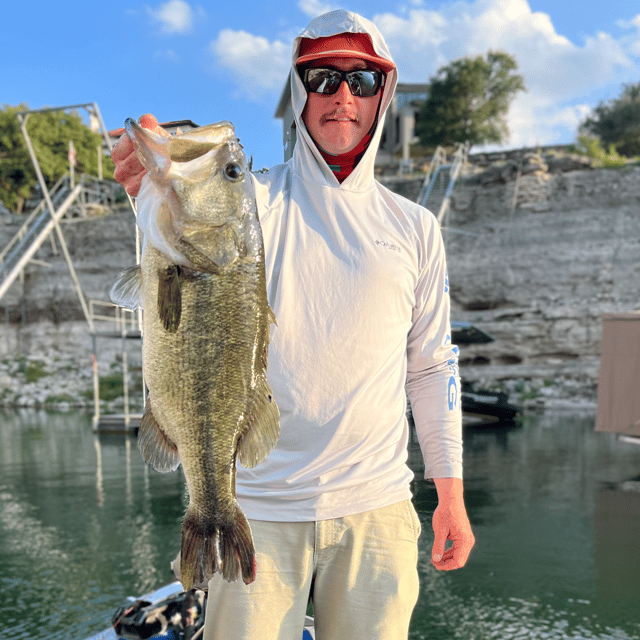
[233,172]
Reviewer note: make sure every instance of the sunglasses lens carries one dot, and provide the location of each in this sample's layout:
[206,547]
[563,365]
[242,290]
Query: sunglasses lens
[361,83]
[364,83]
[323,80]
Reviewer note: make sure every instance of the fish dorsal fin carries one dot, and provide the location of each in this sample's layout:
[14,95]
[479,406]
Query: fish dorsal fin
[127,290]
[169,298]
[263,419]
[157,450]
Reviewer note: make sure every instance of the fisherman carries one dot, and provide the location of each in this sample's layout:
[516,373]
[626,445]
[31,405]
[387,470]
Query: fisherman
[356,276]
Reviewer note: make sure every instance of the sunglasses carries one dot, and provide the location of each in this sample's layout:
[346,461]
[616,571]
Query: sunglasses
[362,82]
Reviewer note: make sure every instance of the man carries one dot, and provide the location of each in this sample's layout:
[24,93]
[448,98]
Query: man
[356,276]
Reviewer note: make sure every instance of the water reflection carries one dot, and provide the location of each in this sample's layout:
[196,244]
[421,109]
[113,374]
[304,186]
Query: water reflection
[84,524]
[616,530]
[534,495]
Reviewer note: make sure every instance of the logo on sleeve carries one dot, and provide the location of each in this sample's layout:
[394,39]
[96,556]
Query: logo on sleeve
[452,393]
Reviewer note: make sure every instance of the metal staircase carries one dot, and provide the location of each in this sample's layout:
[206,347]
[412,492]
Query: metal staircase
[440,180]
[46,217]
[34,232]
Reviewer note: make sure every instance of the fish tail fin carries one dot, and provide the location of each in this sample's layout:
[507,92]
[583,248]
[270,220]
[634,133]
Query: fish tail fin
[237,550]
[208,548]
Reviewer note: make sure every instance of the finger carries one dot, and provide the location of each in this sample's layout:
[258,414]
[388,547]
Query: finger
[127,167]
[455,557]
[439,541]
[122,148]
[133,184]
[438,557]
[129,173]
[149,121]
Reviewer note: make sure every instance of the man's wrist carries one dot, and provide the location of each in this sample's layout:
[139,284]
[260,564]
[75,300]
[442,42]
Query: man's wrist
[449,489]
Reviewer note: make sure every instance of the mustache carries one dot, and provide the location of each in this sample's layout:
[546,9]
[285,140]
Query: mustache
[340,112]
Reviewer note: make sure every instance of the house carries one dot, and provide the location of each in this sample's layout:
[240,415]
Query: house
[399,126]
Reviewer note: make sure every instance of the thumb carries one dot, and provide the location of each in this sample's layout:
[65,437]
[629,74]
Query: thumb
[439,543]
[149,121]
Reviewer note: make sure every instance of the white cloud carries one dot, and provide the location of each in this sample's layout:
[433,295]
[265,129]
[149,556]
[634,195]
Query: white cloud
[314,8]
[559,74]
[259,66]
[175,16]
[634,23]
[556,71]
[532,124]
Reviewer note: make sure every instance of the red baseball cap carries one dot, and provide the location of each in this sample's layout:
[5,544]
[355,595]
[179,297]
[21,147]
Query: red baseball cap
[342,45]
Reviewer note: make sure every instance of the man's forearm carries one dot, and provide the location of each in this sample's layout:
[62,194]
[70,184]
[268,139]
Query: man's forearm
[448,489]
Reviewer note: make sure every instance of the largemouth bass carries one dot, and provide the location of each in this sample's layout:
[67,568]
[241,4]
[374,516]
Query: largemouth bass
[205,335]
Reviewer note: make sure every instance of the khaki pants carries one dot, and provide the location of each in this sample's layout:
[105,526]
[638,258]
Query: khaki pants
[364,574]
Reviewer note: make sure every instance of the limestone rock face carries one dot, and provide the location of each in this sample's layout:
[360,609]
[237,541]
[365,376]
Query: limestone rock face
[536,262]
[100,248]
[535,259]
[45,344]
[539,263]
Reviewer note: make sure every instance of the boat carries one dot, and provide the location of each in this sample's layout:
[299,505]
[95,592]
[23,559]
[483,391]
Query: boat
[481,406]
[488,407]
[169,612]
[468,333]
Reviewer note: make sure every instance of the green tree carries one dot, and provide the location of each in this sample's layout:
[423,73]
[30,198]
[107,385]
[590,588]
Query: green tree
[617,122]
[50,132]
[468,101]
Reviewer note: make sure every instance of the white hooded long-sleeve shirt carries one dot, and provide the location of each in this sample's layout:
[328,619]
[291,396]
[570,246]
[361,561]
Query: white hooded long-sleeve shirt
[356,276]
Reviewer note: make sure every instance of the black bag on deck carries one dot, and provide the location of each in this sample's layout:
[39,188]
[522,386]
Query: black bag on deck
[179,616]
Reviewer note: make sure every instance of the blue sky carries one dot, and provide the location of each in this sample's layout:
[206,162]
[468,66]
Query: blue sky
[211,61]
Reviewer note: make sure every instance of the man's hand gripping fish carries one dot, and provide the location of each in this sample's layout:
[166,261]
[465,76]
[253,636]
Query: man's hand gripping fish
[206,332]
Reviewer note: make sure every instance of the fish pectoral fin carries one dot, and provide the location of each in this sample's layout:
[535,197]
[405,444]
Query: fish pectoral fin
[157,449]
[263,421]
[127,290]
[169,298]
[271,316]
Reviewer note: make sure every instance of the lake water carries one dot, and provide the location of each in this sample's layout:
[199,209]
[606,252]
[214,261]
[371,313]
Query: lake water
[84,524]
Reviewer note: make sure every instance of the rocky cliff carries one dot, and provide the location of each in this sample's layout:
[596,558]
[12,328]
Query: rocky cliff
[535,257]
[536,260]
[45,344]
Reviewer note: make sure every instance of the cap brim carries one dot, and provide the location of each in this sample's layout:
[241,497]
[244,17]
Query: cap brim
[385,65]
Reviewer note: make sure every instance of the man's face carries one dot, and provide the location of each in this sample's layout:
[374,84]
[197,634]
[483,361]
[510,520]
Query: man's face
[337,123]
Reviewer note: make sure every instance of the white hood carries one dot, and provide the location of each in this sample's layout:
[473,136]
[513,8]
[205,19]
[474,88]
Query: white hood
[306,157]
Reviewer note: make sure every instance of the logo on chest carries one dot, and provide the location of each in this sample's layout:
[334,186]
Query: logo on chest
[388,245]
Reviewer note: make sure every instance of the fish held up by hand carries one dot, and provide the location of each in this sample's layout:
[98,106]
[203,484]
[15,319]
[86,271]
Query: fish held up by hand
[206,322]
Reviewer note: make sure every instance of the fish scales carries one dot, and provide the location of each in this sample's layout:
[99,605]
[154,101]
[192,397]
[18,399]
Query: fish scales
[206,332]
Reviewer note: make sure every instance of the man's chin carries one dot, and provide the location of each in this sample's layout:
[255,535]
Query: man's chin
[337,146]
